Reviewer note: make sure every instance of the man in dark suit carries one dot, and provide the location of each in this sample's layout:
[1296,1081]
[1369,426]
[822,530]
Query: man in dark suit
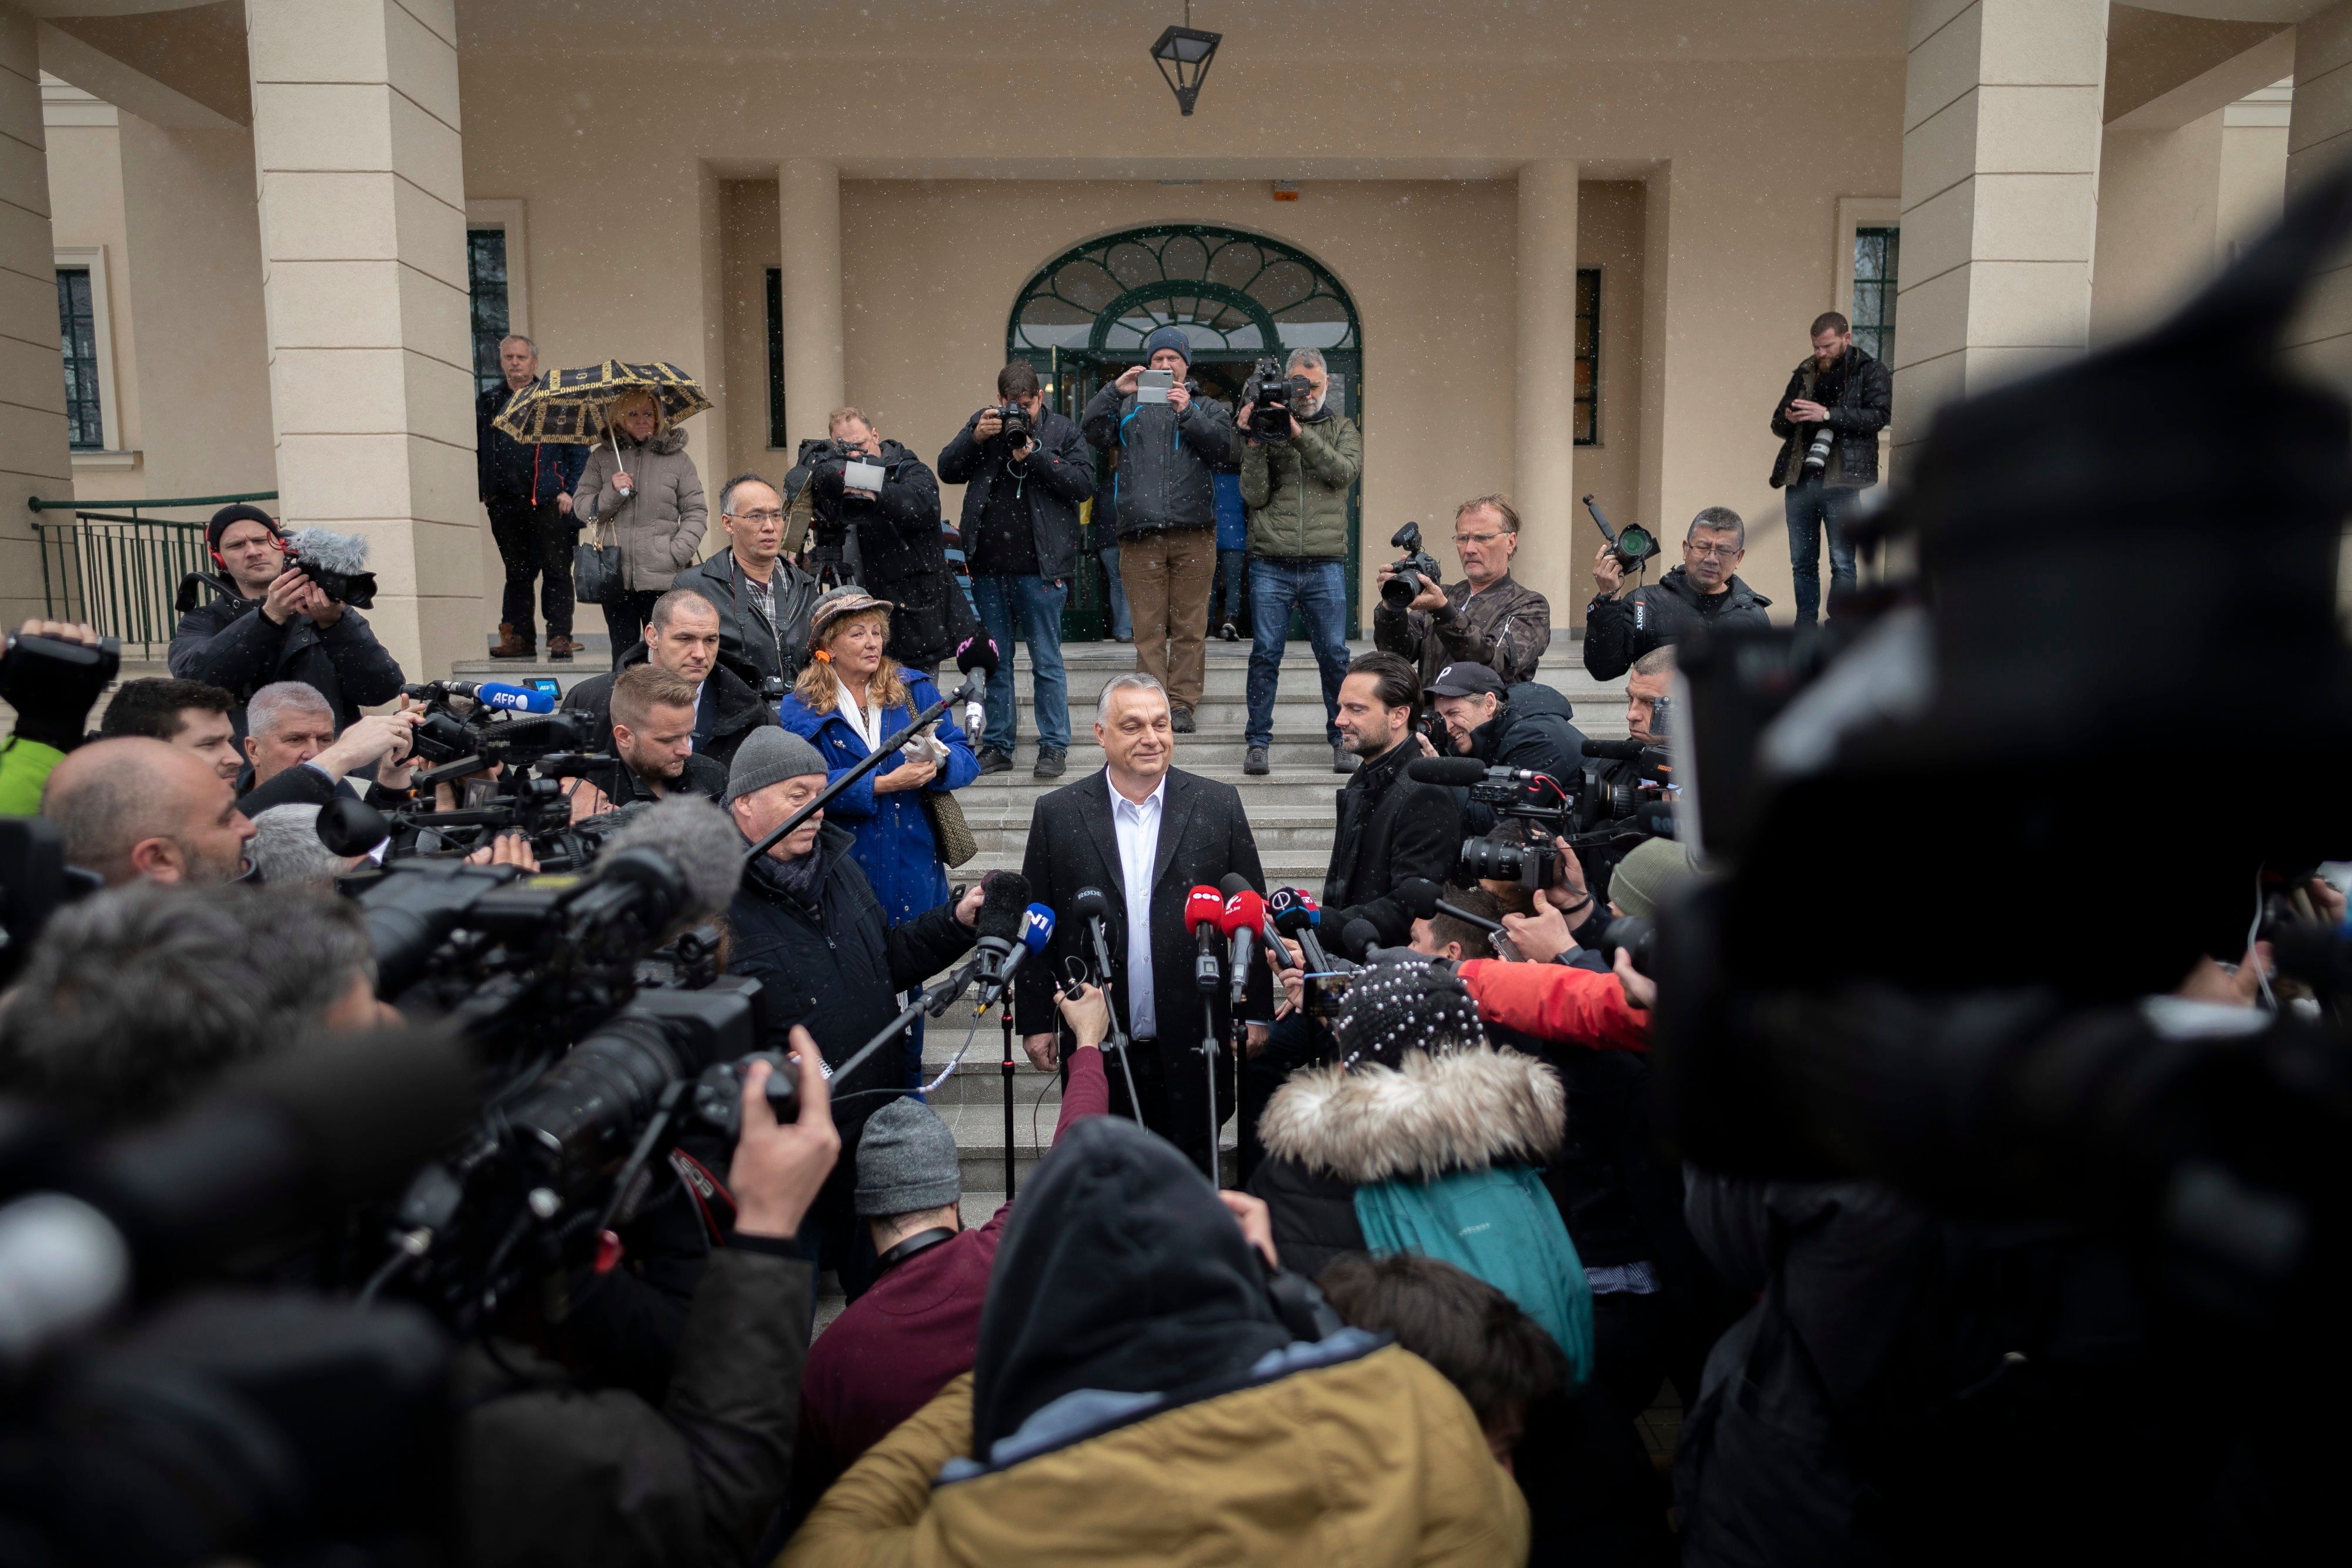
[1146,834]
[1391,829]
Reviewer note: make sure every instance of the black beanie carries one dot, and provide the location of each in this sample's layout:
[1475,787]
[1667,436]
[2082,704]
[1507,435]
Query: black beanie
[243,512]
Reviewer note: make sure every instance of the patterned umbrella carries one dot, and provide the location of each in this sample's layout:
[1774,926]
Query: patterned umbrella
[569,407]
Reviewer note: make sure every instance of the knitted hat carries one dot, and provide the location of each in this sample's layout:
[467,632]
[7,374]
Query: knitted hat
[1169,338]
[906,1162]
[835,602]
[769,755]
[243,512]
[1421,1005]
[1645,874]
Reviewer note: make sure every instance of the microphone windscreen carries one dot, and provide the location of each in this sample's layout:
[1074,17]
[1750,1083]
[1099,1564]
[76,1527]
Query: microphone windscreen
[346,553]
[352,826]
[1036,927]
[1359,939]
[1616,750]
[1232,882]
[1245,911]
[1004,899]
[1449,771]
[1090,903]
[697,838]
[1203,907]
[1419,896]
[977,651]
[1292,919]
[514,699]
[1314,910]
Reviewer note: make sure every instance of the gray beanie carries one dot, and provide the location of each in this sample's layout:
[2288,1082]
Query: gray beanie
[906,1162]
[1168,337]
[769,755]
[1649,870]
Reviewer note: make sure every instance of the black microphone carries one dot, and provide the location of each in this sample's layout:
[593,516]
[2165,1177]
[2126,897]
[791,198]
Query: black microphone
[1092,905]
[1455,771]
[977,653]
[1202,910]
[1004,899]
[1297,916]
[1421,898]
[1359,937]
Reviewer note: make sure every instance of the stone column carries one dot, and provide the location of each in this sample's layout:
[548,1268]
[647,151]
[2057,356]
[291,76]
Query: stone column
[808,205]
[2001,169]
[1544,467]
[362,191]
[33,460]
[2319,136]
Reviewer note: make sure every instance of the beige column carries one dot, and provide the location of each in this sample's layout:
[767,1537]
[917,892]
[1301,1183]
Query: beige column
[2319,136]
[33,459]
[2001,169]
[356,137]
[808,205]
[1544,467]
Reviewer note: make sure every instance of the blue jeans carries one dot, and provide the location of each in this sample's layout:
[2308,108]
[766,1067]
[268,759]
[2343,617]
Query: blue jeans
[1320,593]
[1122,625]
[1814,507]
[1038,603]
[1233,563]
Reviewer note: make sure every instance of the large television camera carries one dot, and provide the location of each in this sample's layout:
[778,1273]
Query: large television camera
[1275,398]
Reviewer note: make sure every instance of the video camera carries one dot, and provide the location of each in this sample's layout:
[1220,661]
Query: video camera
[1530,809]
[1398,591]
[1275,397]
[335,563]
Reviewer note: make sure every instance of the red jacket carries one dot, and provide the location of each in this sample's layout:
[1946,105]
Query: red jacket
[1554,1002]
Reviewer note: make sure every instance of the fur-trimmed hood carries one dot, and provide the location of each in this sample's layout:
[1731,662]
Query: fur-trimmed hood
[667,441]
[1463,1110]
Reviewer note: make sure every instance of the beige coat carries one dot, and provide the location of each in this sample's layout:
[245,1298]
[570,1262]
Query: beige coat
[659,526]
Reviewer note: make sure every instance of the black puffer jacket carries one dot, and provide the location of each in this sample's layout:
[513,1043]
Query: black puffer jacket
[1531,730]
[1865,403]
[744,634]
[1619,630]
[1166,461]
[231,645]
[740,708]
[902,553]
[1391,829]
[1058,473]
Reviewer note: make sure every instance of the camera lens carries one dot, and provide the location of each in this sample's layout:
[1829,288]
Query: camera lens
[1490,860]
[1398,592]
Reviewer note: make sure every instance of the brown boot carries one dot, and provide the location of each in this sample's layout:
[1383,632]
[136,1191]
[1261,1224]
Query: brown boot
[513,644]
[561,646]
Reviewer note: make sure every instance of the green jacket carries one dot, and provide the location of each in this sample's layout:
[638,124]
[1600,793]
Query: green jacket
[1297,490]
[24,767]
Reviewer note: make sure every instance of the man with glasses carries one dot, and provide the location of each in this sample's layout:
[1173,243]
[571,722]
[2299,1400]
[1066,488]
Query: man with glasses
[1623,622]
[1488,618]
[763,601]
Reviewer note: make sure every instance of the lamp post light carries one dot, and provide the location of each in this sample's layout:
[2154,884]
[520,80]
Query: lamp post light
[1183,54]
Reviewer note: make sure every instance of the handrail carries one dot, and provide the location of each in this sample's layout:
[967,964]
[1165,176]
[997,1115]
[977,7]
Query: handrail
[38,504]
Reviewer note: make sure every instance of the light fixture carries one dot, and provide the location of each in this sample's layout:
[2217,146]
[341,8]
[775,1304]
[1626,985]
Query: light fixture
[1185,55]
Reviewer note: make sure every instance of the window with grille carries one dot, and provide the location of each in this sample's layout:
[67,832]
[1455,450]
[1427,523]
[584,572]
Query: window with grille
[1588,356]
[78,335]
[485,278]
[1875,255]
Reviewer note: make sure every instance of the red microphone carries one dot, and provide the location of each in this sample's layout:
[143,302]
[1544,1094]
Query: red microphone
[1204,912]
[1243,917]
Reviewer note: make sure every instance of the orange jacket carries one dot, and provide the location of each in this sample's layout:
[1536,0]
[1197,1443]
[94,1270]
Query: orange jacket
[1554,1002]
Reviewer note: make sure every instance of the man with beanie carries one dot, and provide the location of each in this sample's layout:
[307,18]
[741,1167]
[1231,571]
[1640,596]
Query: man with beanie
[277,625]
[1164,493]
[807,926]
[917,1329]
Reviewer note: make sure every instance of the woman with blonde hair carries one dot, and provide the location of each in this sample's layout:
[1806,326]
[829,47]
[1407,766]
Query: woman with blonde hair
[640,491]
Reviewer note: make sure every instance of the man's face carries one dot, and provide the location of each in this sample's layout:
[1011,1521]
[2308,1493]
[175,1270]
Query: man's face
[658,753]
[1317,380]
[211,736]
[1168,360]
[1424,940]
[252,555]
[689,645]
[519,361]
[1464,715]
[1828,345]
[1642,695]
[856,433]
[1035,402]
[762,812]
[1367,726]
[1710,556]
[756,526]
[1485,545]
[1138,736]
[299,737]
[209,831]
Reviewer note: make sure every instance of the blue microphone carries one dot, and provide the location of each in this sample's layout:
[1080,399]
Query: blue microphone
[1036,930]
[514,699]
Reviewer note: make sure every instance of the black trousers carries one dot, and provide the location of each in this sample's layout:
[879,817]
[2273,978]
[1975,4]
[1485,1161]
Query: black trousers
[625,614]
[1155,1063]
[535,543]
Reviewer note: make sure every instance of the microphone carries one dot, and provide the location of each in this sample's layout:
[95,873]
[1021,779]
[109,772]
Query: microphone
[1455,771]
[496,694]
[1003,909]
[976,652]
[1204,912]
[1244,914]
[1036,930]
[1092,905]
[1359,937]
[1617,750]
[1296,916]
[1420,897]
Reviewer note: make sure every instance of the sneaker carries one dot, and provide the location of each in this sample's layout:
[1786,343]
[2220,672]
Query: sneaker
[1344,761]
[1053,761]
[1256,762]
[1181,721]
[994,761]
[1229,632]
[561,647]
[514,643]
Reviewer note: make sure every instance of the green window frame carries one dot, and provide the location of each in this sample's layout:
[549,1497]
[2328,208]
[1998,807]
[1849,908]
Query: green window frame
[78,337]
[1588,357]
[486,283]
[1877,257]
[1235,293]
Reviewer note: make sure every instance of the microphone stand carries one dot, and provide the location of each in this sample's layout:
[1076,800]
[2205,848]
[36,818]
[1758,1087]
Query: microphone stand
[873,760]
[1005,1010]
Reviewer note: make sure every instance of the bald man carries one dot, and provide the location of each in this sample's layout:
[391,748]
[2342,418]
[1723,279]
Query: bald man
[139,809]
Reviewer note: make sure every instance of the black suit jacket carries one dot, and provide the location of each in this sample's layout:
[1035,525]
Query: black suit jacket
[1391,829]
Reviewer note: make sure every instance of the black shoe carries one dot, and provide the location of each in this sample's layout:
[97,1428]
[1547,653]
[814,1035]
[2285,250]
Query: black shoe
[1053,761]
[1344,761]
[1254,762]
[1229,632]
[994,761]
[1181,721]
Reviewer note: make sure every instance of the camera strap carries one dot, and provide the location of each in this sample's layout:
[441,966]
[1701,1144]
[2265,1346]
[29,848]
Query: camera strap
[708,1193]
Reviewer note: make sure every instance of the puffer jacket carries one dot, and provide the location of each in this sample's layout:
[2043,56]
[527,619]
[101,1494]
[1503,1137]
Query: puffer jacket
[1166,461]
[1619,630]
[229,643]
[1534,729]
[1297,490]
[659,524]
[1864,404]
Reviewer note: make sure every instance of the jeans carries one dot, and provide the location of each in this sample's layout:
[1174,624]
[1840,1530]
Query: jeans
[1122,624]
[1235,564]
[1039,604]
[1320,593]
[535,543]
[1813,508]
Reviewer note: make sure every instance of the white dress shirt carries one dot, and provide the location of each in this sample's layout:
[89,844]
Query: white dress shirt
[1138,826]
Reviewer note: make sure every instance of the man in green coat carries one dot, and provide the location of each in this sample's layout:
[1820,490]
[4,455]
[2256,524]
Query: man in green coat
[1296,491]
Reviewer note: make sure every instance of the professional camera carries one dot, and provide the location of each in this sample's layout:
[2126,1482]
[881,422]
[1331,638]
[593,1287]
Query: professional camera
[1017,427]
[1416,563]
[335,563]
[1531,809]
[1633,545]
[1275,398]
[1817,453]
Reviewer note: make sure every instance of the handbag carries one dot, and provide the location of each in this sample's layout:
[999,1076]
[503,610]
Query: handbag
[596,568]
[948,830]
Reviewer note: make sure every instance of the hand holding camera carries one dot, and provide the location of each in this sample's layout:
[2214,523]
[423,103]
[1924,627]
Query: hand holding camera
[51,674]
[1415,581]
[779,1165]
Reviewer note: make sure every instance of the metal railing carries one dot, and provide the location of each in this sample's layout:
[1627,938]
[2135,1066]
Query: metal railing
[117,571]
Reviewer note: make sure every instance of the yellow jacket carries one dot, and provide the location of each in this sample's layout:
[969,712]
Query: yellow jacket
[1371,1462]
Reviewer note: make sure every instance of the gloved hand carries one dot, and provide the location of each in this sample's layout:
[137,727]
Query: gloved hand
[51,674]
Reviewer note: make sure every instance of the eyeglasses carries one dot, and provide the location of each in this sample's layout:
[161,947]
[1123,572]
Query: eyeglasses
[763,516]
[1460,540]
[1714,552]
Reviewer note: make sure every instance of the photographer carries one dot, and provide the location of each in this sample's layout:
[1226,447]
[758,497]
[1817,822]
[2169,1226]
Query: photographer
[1488,618]
[684,634]
[1020,499]
[651,715]
[763,601]
[279,627]
[136,809]
[1524,727]
[527,490]
[1623,622]
[1165,496]
[1828,420]
[902,555]
[187,714]
[1296,492]
[52,699]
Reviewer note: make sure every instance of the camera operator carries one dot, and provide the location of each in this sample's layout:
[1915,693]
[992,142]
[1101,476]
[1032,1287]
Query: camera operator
[1837,400]
[683,634]
[280,627]
[1296,491]
[1525,725]
[295,758]
[188,714]
[902,555]
[1623,622]
[138,808]
[651,713]
[1020,499]
[1488,618]
[527,490]
[52,703]
[1165,495]
[763,601]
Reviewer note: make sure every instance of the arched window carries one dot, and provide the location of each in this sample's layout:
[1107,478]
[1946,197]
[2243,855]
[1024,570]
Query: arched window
[1233,293]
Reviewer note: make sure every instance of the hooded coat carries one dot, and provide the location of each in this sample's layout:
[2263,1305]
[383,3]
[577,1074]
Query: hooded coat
[902,553]
[229,643]
[1533,730]
[1297,490]
[1166,461]
[659,525]
[1619,630]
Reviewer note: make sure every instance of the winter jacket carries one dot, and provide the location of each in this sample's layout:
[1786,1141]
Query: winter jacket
[776,651]
[1555,1002]
[659,525]
[1507,628]
[510,470]
[731,707]
[902,554]
[1864,404]
[1391,829]
[24,769]
[229,643]
[1166,461]
[1619,630]
[1297,490]
[1055,479]
[1533,730]
[894,838]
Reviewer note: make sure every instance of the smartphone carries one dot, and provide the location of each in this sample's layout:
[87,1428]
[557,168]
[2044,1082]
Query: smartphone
[1153,386]
[862,476]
